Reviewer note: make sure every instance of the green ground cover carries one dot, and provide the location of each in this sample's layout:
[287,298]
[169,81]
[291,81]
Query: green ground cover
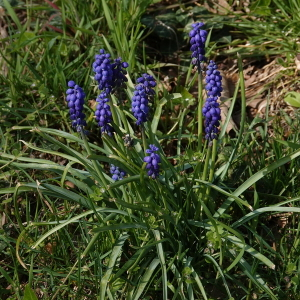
[219,221]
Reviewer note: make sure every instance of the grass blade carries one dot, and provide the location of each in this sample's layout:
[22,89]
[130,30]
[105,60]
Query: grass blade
[163,264]
[254,178]
[112,261]
[146,278]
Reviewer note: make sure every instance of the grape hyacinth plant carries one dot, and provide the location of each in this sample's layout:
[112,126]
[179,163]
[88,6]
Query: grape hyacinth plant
[198,38]
[211,110]
[75,98]
[152,161]
[140,100]
[174,212]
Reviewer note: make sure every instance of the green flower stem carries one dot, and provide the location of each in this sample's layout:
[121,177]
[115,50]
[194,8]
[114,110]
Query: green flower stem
[206,164]
[144,138]
[204,176]
[182,114]
[200,105]
[188,75]
[151,134]
[213,160]
[211,168]
[97,167]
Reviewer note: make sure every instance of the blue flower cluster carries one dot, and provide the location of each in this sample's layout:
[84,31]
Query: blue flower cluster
[198,38]
[102,66]
[152,161]
[119,72]
[211,110]
[140,99]
[116,172]
[75,99]
[109,75]
[103,113]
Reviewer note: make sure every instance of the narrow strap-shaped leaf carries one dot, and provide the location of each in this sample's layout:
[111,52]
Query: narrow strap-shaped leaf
[69,221]
[120,227]
[255,278]
[13,15]
[112,261]
[253,179]
[157,114]
[259,211]
[161,256]
[250,250]
[146,278]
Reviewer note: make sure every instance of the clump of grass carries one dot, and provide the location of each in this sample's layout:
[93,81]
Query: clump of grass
[172,226]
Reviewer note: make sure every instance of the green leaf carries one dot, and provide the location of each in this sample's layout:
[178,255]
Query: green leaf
[11,2]
[291,267]
[157,114]
[112,260]
[75,219]
[26,38]
[295,280]
[186,98]
[293,146]
[146,278]
[63,49]
[261,7]
[29,294]
[250,250]
[120,227]
[254,277]
[254,178]
[8,5]
[6,276]
[293,99]
[259,211]
[161,255]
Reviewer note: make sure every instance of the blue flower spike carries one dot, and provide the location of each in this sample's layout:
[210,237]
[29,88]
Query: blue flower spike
[141,96]
[116,172]
[119,72]
[198,38]
[103,68]
[109,75]
[75,98]
[211,110]
[103,113]
[152,161]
